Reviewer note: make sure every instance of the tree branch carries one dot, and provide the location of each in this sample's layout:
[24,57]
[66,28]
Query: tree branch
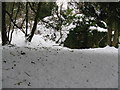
[49,24]
[32,8]
[14,22]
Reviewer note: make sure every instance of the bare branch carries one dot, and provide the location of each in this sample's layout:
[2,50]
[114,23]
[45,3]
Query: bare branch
[32,8]
[14,22]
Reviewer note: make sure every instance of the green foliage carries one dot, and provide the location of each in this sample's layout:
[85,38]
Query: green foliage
[82,37]
[108,12]
[101,24]
[68,16]
[46,9]
[76,40]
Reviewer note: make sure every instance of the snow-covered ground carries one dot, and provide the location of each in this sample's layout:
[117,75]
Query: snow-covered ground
[53,67]
[43,64]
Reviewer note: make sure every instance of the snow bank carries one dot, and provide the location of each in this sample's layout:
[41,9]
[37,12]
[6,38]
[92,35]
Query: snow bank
[18,38]
[37,41]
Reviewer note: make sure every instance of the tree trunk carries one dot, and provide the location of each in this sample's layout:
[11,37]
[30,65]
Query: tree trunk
[116,37]
[0,20]
[109,34]
[10,25]
[15,19]
[60,38]
[4,33]
[35,23]
[26,19]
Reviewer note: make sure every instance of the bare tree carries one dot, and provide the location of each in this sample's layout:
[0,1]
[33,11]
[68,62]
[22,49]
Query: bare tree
[4,33]
[35,23]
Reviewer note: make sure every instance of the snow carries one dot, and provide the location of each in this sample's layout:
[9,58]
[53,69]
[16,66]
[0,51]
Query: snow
[0,62]
[64,2]
[98,28]
[18,38]
[0,38]
[43,64]
[37,41]
[52,67]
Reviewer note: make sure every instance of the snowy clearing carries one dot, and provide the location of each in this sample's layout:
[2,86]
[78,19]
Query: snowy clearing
[33,56]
